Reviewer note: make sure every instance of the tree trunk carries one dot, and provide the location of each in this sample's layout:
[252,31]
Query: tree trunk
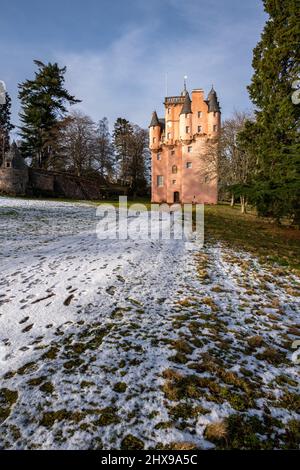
[232,200]
[243,204]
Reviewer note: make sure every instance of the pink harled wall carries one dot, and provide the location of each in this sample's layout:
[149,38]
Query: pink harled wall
[173,148]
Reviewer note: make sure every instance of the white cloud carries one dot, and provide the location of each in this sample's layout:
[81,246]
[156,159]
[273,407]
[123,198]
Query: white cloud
[128,78]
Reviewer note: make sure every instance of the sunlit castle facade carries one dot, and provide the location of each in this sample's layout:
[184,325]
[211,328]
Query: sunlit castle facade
[184,163]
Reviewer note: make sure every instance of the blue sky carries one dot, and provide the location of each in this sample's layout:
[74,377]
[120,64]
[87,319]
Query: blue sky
[118,51]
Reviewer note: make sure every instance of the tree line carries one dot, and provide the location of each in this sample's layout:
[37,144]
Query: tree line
[54,138]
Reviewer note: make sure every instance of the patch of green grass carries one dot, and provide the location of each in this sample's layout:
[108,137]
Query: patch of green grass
[131,442]
[86,384]
[50,417]
[179,358]
[37,381]
[51,354]
[292,435]
[107,417]
[47,387]
[271,243]
[289,401]
[272,356]
[120,387]
[72,364]
[27,368]
[186,411]
[178,387]
[239,433]
[164,425]
[7,399]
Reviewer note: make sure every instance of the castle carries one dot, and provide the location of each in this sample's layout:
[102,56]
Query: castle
[183,149]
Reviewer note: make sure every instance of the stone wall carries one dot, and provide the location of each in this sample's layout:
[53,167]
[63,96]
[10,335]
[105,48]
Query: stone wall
[42,183]
[13,182]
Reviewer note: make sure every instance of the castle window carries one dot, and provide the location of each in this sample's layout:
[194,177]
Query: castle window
[174,182]
[190,149]
[169,135]
[189,164]
[172,152]
[199,114]
[159,156]
[199,129]
[169,110]
[206,179]
[160,181]
[215,128]
[187,130]
[174,169]
[8,165]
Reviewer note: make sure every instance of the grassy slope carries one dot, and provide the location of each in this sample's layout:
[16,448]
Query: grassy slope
[269,242]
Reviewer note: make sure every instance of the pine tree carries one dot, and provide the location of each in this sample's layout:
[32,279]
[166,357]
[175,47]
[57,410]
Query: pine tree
[5,126]
[138,151]
[43,101]
[121,138]
[274,136]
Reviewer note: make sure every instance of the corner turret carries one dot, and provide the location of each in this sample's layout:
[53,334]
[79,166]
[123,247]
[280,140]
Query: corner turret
[155,132]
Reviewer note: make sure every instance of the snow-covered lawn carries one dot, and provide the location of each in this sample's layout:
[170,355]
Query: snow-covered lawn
[130,344]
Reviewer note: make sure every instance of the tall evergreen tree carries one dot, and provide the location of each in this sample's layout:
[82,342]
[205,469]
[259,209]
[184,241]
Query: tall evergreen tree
[43,101]
[5,125]
[121,138]
[274,136]
[138,151]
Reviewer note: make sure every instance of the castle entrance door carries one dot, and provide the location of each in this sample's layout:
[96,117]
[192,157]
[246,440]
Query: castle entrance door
[176,197]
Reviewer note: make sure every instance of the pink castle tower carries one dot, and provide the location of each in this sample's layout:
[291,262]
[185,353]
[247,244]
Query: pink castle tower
[184,149]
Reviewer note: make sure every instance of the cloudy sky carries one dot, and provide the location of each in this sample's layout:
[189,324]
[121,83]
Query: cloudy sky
[118,52]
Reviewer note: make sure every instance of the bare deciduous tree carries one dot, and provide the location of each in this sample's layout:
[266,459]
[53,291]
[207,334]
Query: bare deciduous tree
[77,143]
[236,165]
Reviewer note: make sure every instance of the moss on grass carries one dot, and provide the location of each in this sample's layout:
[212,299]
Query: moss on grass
[120,387]
[7,399]
[131,442]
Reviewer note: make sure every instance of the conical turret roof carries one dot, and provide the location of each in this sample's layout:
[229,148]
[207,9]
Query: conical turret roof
[154,121]
[212,101]
[186,108]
